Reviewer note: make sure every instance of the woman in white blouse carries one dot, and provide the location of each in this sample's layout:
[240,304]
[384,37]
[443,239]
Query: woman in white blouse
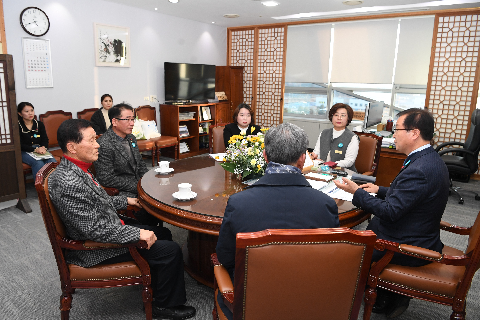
[338,144]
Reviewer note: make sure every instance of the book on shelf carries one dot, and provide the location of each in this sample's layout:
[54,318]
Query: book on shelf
[186,115]
[183,147]
[183,131]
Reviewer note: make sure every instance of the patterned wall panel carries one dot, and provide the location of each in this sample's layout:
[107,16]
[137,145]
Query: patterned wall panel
[5,134]
[269,78]
[242,46]
[451,93]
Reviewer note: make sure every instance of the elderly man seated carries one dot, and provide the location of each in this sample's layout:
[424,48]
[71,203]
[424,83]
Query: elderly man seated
[282,199]
[89,213]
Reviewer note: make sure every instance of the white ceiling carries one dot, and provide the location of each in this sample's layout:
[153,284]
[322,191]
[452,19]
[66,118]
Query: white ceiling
[252,12]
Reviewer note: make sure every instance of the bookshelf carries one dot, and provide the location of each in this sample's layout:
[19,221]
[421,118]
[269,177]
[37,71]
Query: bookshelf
[184,121]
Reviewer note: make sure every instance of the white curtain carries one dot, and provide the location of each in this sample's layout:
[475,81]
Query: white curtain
[308,51]
[364,51]
[414,49]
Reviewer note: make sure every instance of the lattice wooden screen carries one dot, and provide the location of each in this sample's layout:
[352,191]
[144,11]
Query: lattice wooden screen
[452,92]
[269,79]
[5,134]
[242,47]
[261,53]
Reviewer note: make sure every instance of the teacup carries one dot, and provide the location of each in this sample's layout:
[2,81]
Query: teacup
[185,189]
[164,165]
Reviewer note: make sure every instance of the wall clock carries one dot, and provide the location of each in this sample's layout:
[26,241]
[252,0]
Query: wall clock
[34,21]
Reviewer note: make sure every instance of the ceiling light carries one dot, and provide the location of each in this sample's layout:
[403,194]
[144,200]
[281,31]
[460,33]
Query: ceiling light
[213,21]
[231,15]
[352,2]
[156,9]
[270,3]
[173,1]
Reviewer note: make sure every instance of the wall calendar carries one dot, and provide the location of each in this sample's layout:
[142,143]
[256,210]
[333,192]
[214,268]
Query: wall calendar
[37,62]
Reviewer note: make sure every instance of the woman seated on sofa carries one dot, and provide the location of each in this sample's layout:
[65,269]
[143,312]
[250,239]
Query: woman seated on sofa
[243,122]
[338,144]
[100,120]
[33,137]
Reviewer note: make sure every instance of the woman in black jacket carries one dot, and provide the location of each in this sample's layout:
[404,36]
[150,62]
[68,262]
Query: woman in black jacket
[100,120]
[243,122]
[33,137]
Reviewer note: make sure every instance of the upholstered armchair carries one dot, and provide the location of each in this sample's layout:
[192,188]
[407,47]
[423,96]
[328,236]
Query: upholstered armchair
[73,277]
[296,274]
[446,280]
[368,153]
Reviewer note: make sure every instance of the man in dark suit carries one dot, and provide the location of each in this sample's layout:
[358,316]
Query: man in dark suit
[410,210]
[89,213]
[120,164]
[281,199]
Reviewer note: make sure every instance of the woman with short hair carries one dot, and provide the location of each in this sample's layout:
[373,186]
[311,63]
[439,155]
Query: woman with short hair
[338,144]
[100,120]
[243,123]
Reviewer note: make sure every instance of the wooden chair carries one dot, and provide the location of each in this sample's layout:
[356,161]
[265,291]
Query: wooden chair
[446,280]
[215,137]
[296,274]
[52,120]
[86,113]
[73,277]
[149,113]
[368,153]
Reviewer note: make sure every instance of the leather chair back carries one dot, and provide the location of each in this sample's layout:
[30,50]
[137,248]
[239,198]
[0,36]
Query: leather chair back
[216,138]
[86,113]
[146,113]
[52,120]
[368,153]
[301,274]
[473,141]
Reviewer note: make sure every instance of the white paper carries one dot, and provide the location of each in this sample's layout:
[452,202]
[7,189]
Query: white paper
[317,184]
[308,160]
[219,155]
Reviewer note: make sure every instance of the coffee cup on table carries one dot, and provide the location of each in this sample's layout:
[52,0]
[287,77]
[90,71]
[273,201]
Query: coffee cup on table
[164,165]
[185,189]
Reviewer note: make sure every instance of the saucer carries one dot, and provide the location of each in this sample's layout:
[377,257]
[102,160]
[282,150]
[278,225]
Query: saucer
[177,196]
[158,170]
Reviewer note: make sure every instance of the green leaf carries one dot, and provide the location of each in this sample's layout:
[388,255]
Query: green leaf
[229,166]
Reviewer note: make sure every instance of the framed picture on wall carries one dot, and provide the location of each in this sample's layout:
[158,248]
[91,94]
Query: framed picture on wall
[112,46]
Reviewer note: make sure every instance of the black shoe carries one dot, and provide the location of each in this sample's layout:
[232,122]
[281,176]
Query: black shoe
[173,313]
[383,302]
[399,305]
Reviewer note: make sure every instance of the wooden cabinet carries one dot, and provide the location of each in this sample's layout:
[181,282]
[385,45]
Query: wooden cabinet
[230,80]
[170,122]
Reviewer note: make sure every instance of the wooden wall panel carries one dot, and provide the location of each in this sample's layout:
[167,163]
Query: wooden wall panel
[242,47]
[453,78]
[269,93]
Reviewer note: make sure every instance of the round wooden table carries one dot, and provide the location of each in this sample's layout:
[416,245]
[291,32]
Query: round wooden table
[202,216]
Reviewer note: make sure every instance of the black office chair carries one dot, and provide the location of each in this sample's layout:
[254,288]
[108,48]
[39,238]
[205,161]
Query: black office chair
[464,161]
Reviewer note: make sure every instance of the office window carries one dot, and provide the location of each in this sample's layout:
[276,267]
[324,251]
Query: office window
[305,100]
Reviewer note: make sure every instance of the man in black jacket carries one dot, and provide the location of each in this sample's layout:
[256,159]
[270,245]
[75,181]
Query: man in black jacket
[282,199]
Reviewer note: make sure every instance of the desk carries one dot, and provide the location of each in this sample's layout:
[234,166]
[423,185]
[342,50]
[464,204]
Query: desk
[202,216]
[389,165]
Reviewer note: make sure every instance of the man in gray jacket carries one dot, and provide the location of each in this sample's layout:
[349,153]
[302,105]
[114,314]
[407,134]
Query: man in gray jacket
[89,213]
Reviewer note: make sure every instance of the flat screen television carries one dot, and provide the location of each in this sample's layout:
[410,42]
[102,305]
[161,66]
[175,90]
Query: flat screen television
[186,81]
[373,114]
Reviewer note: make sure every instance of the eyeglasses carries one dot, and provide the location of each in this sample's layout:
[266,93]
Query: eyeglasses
[340,115]
[130,120]
[395,129]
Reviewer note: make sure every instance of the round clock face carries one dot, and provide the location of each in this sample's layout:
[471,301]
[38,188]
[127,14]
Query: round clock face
[34,21]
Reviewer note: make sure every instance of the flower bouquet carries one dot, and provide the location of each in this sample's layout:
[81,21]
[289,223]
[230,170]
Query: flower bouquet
[244,156]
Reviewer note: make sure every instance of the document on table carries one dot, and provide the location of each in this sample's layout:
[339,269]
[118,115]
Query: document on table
[38,156]
[218,156]
[317,184]
[336,193]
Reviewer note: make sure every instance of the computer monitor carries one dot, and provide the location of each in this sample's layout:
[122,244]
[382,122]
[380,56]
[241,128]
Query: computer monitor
[373,114]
